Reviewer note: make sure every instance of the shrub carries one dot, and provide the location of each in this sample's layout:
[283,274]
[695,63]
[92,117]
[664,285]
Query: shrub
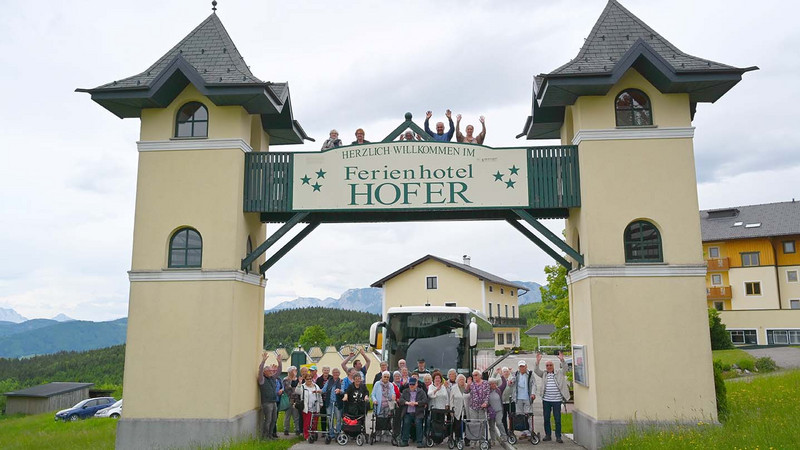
[721,392]
[725,366]
[720,338]
[766,364]
[746,364]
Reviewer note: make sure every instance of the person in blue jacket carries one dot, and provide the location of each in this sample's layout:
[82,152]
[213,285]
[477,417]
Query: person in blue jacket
[440,134]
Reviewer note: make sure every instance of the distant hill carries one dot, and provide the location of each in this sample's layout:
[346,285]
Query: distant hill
[62,318]
[361,299]
[285,327]
[534,295]
[9,315]
[43,336]
[9,328]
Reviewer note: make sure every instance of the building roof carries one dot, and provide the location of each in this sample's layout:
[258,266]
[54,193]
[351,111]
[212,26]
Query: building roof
[49,389]
[753,221]
[619,41]
[483,275]
[208,59]
[541,330]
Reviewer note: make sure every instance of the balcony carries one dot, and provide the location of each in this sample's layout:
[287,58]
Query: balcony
[508,321]
[718,293]
[718,264]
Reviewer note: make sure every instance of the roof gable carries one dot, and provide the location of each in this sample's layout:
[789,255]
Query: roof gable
[208,59]
[480,274]
[615,31]
[618,42]
[208,49]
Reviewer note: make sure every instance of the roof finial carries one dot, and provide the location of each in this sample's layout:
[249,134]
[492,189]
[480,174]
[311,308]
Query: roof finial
[214,6]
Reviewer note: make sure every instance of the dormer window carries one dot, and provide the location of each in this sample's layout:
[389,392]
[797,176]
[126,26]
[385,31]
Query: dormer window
[192,121]
[633,109]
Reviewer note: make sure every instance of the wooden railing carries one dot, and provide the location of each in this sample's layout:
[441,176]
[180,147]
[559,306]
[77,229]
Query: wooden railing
[718,264]
[718,293]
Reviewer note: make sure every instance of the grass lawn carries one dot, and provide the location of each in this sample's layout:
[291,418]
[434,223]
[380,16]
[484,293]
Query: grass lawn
[732,356]
[41,431]
[764,413]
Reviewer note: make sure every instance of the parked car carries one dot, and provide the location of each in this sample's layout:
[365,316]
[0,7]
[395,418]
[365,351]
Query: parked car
[85,408]
[113,411]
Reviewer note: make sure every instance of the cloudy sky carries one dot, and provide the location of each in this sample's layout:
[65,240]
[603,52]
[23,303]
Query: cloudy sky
[68,167]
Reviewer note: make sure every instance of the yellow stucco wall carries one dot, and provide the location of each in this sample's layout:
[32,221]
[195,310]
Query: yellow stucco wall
[769,288]
[224,122]
[409,288]
[597,111]
[628,317]
[192,349]
[646,338]
[761,321]
[631,171]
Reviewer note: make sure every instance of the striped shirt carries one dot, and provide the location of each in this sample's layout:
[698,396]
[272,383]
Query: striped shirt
[551,392]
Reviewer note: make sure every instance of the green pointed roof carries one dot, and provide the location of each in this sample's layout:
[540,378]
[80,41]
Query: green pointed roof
[618,41]
[208,59]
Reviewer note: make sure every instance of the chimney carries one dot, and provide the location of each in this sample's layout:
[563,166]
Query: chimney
[467,260]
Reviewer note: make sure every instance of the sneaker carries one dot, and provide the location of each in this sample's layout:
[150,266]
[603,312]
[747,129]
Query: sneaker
[286,433]
[559,440]
[547,438]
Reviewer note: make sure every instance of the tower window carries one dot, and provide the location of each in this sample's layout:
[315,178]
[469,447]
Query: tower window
[642,243]
[192,121]
[185,249]
[633,109]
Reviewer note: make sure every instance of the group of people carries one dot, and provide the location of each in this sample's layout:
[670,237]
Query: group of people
[410,395]
[334,141]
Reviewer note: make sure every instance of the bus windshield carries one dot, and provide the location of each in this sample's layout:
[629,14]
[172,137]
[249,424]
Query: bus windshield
[439,338]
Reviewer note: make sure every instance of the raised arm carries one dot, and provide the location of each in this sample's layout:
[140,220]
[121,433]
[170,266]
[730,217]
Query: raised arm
[280,365]
[452,127]
[346,361]
[366,359]
[482,135]
[459,136]
[427,121]
[261,368]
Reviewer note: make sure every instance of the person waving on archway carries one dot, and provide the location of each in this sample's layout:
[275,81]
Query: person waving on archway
[469,138]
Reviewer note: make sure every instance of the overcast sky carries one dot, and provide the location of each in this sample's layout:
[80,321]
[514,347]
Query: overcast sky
[68,168]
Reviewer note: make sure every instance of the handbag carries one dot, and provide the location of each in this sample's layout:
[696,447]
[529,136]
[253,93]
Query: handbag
[284,403]
[299,404]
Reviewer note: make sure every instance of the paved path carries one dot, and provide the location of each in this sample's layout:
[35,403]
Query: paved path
[785,357]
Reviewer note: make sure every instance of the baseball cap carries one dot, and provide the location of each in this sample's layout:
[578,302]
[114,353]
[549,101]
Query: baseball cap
[412,381]
[313,367]
[522,363]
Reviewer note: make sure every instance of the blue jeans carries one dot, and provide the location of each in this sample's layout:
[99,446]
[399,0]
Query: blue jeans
[556,408]
[334,420]
[408,419]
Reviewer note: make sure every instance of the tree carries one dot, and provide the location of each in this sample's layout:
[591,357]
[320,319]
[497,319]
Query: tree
[720,338]
[555,298]
[313,335]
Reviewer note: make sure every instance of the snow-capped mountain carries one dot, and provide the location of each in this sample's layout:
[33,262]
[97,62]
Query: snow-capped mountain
[9,315]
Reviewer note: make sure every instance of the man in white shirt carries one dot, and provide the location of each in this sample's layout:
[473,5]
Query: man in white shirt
[554,390]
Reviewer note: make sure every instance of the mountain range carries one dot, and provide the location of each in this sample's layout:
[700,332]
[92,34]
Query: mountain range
[369,299]
[43,336]
[9,315]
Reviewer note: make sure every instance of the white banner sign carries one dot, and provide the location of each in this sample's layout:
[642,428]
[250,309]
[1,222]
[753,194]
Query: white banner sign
[410,175]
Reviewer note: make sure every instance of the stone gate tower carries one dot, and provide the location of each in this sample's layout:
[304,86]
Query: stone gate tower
[195,323]
[638,303]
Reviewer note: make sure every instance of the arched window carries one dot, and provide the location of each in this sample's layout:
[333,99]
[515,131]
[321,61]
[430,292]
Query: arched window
[633,109]
[185,249]
[642,243]
[192,120]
